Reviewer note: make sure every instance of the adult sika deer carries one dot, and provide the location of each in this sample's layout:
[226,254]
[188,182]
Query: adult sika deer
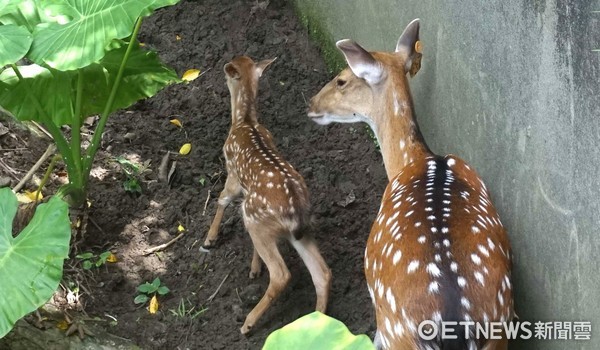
[276,201]
[437,250]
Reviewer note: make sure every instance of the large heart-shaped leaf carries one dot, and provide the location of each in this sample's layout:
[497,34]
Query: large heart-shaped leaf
[27,13]
[143,77]
[31,264]
[316,331]
[92,25]
[14,43]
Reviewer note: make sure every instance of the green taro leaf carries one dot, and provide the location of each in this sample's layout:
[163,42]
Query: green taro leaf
[92,25]
[143,77]
[87,265]
[84,256]
[162,290]
[316,331]
[104,256]
[140,299]
[14,43]
[28,13]
[147,288]
[156,283]
[38,81]
[31,264]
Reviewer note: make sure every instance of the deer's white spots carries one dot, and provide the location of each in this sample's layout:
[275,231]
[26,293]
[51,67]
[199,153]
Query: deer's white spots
[454,266]
[269,185]
[396,257]
[507,281]
[476,259]
[479,278]
[462,282]
[433,270]
[446,242]
[437,258]
[475,229]
[450,161]
[434,287]
[422,239]
[398,329]
[483,250]
[402,144]
[444,230]
[431,217]
[412,266]
[389,296]
[500,298]
[428,209]
[409,213]
[418,223]
[465,303]
[434,229]
[436,317]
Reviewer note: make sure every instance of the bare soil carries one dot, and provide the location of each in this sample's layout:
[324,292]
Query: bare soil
[340,163]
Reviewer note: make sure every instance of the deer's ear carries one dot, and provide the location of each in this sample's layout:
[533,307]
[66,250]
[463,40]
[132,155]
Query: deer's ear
[262,65]
[231,71]
[361,62]
[410,46]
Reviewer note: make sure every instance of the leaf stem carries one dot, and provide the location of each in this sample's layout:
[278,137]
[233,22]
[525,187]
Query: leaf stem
[95,144]
[76,126]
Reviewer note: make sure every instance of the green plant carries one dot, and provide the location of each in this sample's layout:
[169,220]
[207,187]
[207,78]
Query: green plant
[70,59]
[316,331]
[31,263]
[147,290]
[134,172]
[186,309]
[89,259]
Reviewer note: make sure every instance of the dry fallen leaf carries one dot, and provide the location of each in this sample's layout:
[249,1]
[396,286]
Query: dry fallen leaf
[190,74]
[112,258]
[62,325]
[177,37]
[180,228]
[185,149]
[29,196]
[153,305]
[176,122]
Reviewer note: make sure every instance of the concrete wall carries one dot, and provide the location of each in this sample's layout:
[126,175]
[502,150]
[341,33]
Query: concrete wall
[513,87]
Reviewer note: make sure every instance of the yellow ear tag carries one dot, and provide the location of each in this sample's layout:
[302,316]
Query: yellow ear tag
[418,46]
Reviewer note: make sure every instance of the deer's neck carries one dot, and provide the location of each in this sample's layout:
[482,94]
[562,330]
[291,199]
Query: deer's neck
[243,105]
[397,131]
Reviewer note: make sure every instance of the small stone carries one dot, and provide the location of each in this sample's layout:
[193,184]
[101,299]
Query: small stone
[5,182]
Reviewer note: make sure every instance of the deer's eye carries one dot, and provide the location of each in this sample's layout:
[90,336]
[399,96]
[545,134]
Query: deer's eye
[340,83]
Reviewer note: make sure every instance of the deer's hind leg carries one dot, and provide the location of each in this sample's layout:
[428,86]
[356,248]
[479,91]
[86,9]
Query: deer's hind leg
[264,238]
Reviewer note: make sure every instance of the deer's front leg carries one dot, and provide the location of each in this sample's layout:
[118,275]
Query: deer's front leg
[232,189]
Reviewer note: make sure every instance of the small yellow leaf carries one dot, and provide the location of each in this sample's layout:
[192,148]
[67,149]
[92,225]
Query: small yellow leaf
[190,74]
[418,46]
[22,198]
[153,305]
[62,325]
[177,37]
[111,258]
[31,195]
[185,149]
[180,228]
[142,44]
[176,122]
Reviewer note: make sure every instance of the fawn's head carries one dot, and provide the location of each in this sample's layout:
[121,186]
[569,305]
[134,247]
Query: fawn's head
[355,94]
[242,73]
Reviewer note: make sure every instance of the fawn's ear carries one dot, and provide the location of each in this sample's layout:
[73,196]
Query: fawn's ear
[262,65]
[360,61]
[409,45]
[231,71]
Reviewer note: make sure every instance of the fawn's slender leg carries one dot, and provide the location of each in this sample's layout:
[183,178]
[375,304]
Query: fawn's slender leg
[265,243]
[319,271]
[231,190]
[255,267]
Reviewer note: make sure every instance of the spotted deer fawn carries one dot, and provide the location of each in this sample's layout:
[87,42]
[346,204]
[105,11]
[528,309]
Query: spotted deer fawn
[276,201]
[437,250]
